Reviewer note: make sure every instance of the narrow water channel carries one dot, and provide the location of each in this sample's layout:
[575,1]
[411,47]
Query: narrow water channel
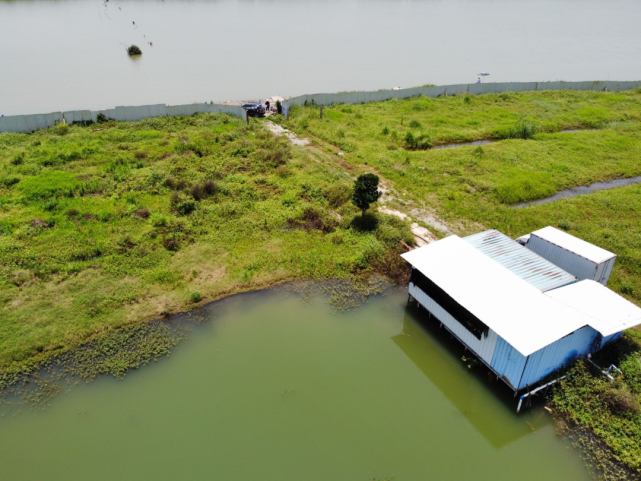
[582,190]
[271,387]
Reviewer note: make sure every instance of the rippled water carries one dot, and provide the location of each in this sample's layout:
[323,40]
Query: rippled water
[70,54]
[271,387]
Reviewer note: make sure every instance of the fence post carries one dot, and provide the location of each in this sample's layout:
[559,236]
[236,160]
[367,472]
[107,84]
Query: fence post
[321,112]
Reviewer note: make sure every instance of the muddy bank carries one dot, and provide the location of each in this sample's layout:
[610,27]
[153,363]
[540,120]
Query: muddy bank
[582,190]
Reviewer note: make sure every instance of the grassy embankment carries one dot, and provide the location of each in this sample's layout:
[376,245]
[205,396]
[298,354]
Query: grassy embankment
[113,224]
[474,188]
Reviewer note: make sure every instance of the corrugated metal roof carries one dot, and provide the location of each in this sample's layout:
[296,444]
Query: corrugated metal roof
[526,264]
[609,312]
[517,311]
[574,244]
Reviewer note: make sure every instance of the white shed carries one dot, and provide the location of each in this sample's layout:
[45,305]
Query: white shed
[576,256]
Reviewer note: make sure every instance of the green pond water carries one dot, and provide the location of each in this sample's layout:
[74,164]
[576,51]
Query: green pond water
[272,387]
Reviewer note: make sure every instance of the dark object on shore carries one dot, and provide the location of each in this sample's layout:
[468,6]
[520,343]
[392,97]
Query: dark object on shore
[365,191]
[254,108]
[279,107]
[134,50]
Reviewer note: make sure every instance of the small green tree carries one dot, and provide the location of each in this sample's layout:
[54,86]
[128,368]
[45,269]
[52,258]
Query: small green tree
[365,191]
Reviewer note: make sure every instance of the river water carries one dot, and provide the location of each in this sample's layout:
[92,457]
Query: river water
[271,387]
[70,54]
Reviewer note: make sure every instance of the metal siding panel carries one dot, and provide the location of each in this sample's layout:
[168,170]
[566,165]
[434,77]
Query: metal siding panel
[611,338]
[557,355]
[484,348]
[508,362]
[457,89]
[607,271]
[579,266]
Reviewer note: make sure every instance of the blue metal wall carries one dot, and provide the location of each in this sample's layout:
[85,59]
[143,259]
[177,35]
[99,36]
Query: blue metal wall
[610,338]
[558,354]
[508,362]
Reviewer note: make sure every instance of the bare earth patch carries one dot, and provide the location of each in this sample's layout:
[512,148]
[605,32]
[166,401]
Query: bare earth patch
[280,131]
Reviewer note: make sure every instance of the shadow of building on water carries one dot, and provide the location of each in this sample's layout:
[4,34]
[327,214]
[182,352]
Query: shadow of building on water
[489,405]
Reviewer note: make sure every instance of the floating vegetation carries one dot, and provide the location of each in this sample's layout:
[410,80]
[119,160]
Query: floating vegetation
[343,294]
[134,50]
[113,353]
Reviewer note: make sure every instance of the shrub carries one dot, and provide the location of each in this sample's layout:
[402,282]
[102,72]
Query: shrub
[37,223]
[186,207]
[50,205]
[72,213]
[158,220]
[210,187]
[523,129]
[385,131]
[419,142]
[195,296]
[18,159]
[171,244]
[196,192]
[415,124]
[142,213]
[627,289]
[10,180]
[621,401]
[140,155]
[61,129]
[101,118]
[174,199]
[338,194]
[283,172]
[134,50]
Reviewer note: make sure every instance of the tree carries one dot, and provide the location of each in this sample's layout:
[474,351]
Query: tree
[365,191]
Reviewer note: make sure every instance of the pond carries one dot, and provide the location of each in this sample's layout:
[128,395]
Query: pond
[70,54]
[270,386]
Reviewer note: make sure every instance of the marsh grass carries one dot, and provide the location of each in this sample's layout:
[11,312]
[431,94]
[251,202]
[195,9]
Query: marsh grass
[118,233]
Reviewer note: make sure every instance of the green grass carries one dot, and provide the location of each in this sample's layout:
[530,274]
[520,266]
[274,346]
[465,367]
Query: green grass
[113,224]
[475,187]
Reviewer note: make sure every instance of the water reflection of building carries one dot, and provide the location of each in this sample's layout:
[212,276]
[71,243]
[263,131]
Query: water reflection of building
[490,412]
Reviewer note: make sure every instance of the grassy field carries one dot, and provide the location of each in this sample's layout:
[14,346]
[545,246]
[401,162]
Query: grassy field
[113,224]
[475,187]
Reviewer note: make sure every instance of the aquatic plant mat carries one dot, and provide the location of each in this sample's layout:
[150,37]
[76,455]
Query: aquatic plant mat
[112,353]
[605,417]
[118,352]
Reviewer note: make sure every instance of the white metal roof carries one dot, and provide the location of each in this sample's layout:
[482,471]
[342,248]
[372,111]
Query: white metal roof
[520,260]
[574,244]
[609,312]
[517,311]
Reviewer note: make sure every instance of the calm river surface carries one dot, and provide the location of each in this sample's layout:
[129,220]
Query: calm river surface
[70,54]
[270,387]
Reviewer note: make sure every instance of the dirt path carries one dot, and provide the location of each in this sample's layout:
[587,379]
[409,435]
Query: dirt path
[413,213]
[280,131]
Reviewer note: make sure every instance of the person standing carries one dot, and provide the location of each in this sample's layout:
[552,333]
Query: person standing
[267,105]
